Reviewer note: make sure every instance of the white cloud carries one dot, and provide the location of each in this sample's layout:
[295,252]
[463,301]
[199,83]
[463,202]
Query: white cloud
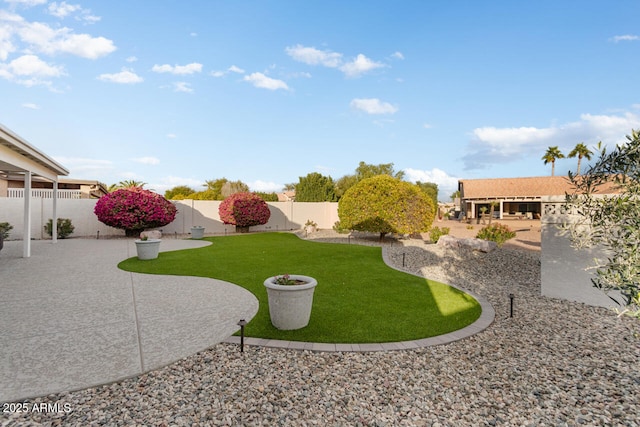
[172,135]
[491,145]
[359,66]
[131,59]
[124,77]
[397,55]
[264,186]
[427,126]
[147,160]
[262,81]
[447,184]
[169,182]
[26,2]
[194,67]
[232,69]
[626,37]
[373,106]
[313,56]
[29,70]
[31,106]
[31,65]
[89,166]
[182,87]
[42,38]
[63,9]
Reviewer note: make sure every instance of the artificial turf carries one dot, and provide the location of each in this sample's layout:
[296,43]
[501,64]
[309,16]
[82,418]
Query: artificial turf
[359,299]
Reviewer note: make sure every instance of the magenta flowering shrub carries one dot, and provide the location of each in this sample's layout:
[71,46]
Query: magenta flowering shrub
[244,210]
[134,209]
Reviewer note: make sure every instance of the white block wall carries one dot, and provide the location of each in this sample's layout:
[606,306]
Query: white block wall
[284,216]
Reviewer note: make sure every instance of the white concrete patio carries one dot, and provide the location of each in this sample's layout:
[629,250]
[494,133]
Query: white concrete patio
[70,319]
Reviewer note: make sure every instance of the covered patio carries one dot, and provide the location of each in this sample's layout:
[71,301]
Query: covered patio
[20,160]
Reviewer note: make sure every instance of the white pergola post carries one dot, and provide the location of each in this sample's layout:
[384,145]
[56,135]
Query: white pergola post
[501,207]
[54,221]
[26,238]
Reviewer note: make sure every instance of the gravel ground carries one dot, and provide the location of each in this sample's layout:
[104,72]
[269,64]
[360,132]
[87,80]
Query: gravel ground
[552,363]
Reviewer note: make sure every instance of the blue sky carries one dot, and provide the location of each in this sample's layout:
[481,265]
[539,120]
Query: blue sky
[179,92]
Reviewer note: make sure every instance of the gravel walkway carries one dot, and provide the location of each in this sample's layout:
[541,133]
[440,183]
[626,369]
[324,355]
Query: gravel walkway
[553,363]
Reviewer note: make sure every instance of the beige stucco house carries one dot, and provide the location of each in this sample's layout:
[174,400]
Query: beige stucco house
[517,198]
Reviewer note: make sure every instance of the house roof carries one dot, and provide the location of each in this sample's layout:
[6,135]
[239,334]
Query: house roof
[519,187]
[18,155]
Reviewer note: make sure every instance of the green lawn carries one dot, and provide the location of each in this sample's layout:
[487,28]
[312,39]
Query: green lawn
[358,299]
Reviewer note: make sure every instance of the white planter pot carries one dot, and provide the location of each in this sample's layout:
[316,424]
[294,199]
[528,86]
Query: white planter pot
[290,305]
[197,232]
[148,249]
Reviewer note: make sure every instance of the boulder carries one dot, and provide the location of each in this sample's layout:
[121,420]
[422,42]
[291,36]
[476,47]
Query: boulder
[479,244]
[448,241]
[471,243]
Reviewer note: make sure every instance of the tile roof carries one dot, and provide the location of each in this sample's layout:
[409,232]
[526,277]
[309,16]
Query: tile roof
[518,187]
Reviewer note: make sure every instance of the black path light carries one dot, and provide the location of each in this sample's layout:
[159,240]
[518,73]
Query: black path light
[242,324]
[511,297]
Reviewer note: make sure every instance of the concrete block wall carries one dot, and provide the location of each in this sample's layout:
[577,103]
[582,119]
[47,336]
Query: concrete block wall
[565,271]
[284,216]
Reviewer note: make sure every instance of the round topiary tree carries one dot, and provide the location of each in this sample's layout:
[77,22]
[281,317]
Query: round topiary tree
[244,210]
[383,204]
[134,210]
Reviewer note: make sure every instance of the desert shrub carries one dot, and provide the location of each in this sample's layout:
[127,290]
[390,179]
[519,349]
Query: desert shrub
[383,204]
[337,226]
[64,227]
[244,210]
[5,227]
[134,210]
[496,232]
[436,232]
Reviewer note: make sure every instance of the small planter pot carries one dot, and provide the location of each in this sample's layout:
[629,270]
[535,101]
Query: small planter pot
[148,249]
[290,305]
[310,229]
[197,232]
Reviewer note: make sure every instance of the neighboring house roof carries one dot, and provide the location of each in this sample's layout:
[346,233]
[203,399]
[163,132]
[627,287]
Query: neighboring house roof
[286,196]
[539,186]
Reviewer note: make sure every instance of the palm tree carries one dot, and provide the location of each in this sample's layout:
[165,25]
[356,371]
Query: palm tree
[552,154]
[581,151]
[131,183]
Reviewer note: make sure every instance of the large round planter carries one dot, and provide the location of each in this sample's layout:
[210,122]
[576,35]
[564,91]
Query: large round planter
[290,305]
[197,232]
[148,249]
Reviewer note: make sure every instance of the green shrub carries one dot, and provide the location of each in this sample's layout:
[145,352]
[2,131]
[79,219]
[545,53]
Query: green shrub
[436,232]
[65,228]
[339,228]
[496,232]
[5,227]
[383,204]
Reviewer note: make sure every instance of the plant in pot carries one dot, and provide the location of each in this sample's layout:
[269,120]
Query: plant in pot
[244,210]
[290,300]
[147,248]
[197,232]
[310,226]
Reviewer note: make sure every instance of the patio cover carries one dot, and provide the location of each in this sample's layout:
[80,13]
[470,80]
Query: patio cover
[19,158]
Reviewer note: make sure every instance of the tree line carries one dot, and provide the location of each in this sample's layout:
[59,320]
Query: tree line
[314,187]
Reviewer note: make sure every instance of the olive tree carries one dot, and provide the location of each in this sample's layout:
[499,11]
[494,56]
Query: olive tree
[383,204]
[611,221]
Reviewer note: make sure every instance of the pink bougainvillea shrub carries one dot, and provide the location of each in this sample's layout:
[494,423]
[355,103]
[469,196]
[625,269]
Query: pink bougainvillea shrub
[134,209]
[244,210]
